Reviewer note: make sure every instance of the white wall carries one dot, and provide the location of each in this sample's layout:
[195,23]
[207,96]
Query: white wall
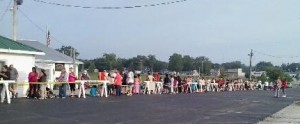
[23,63]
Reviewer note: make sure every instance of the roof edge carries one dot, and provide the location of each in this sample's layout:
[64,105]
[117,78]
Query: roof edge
[21,52]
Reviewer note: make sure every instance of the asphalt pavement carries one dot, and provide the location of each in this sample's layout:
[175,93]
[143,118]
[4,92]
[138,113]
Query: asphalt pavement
[197,108]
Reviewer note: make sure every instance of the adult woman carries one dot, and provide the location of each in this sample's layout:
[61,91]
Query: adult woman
[72,78]
[42,88]
[32,79]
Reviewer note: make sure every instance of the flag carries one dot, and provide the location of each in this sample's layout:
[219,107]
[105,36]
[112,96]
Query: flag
[48,38]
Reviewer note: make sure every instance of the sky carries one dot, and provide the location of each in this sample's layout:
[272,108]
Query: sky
[222,30]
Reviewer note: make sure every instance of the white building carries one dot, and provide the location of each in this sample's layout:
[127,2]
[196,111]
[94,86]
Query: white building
[21,56]
[235,73]
[52,60]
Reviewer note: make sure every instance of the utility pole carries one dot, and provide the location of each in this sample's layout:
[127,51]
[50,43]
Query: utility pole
[250,68]
[74,61]
[202,68]
[14,9]
[15,20]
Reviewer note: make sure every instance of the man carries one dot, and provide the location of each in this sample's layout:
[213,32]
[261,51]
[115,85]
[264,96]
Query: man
[63,87]
[13,76]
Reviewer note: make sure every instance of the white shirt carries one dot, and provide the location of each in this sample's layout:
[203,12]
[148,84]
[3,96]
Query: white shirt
[130,77]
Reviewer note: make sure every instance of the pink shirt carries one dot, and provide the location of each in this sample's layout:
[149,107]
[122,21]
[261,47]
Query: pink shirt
[72,77]
[33,77]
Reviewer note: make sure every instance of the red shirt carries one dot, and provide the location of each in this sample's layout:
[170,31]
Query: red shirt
[118,80]
[101,75]
[33,77]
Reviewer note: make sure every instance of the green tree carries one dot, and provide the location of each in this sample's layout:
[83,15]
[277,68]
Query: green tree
[297,76]
[232,65]
[275,73]
[263,77]
[188,63]
[110,60]
[204,64]
[262,66]
[67,50]
[151,60]
[91,67]
[175,62]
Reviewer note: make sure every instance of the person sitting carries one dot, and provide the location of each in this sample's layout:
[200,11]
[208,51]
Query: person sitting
[93,91]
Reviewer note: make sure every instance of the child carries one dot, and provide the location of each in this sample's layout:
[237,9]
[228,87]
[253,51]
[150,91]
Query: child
[136,85]
[93,91]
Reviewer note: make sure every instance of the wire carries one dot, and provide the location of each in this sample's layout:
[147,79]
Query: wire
[110,7]
[6,10]
[275,56]
[39,27]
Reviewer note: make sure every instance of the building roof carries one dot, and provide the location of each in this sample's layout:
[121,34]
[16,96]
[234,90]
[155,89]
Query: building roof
[9,46]
[52,56]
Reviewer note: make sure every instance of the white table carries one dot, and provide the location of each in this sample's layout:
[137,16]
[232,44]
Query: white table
[98,82]
[5,90]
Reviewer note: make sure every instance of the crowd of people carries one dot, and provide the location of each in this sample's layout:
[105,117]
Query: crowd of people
[128,83]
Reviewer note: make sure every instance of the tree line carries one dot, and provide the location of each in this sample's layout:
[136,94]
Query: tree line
[180,63]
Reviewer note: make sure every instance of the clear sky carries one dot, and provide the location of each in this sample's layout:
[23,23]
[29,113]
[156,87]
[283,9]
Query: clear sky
[223,30]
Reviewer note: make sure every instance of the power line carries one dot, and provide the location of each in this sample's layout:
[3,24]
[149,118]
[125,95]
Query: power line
[39,27]
[6,10]
[110,7]
[275,56]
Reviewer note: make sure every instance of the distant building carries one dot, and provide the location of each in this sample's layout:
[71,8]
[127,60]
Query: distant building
[235,73]
[257,73]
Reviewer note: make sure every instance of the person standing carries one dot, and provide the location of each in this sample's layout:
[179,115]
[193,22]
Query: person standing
[130,81]
[72,78]
[4,75]
[42,79]
[136,85]
[63,78]
[278,87]
[118,83]
[13,76]
[283,87]
[33,77]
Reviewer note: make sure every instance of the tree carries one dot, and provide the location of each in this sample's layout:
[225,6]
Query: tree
[110,60]
[275,73]
[204,64]
[262,66]
[232,65]
[67,51]
[151,60]
[263,77]
[175,62]
[297,76]
[188,63]
[91,67]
